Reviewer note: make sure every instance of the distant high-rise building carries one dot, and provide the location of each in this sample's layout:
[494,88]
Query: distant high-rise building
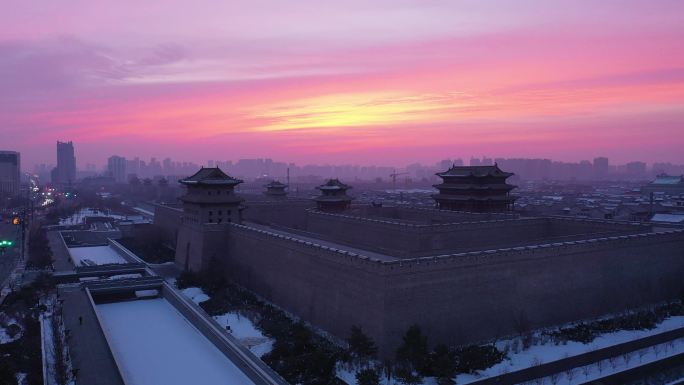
[65,173]
[9,173]
[636,169]
[116,167]
[601,167]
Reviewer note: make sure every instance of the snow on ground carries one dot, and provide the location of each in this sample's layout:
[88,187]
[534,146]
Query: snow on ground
[95,255]
[79,216]
[551,352]
[617,364]
[155,344]
[126,276]
[583,374]
[241,327]
[244,331]
[548,352]
[21,378]
[195,294]
[6,336]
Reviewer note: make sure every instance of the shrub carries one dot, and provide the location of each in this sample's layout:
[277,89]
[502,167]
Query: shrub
[361,346]
[368,376]
[473,358]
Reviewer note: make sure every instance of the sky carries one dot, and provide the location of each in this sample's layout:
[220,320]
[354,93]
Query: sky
[387,82]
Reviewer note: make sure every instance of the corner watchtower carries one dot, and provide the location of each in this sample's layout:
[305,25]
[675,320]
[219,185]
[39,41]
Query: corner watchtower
[276,190]
[474,188]
[333,196]
[211,198]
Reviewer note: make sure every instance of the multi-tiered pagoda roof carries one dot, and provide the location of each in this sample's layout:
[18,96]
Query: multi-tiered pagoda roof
[333,196]
[474,188]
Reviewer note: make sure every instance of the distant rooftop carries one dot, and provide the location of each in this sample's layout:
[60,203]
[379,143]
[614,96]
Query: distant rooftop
[664,179]
[333,184]
[212,176]
[668,218]
[477,171]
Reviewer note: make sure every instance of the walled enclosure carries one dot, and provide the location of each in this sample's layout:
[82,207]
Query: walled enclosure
[457,298]
[591,268]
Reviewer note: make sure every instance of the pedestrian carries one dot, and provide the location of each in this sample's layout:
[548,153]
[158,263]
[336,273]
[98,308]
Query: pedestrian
[80,320]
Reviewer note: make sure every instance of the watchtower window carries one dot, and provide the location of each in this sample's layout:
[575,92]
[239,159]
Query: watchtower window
[219,212]
[210,213]
[211,220]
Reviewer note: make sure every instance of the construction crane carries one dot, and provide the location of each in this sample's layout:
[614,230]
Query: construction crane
[394,176]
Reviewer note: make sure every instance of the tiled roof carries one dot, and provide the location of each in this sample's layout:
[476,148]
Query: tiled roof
[477,171]
[210,176]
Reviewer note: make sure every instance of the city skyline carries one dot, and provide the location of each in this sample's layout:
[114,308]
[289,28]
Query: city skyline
[364,83]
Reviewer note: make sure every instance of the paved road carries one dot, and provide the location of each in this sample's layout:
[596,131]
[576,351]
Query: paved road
[88,346]
[60,253]
[9,259]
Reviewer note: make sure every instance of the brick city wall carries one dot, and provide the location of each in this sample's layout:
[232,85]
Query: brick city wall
[168,219]
[426,215]
[456,298]
[327,287]
[407,240]
[286,213]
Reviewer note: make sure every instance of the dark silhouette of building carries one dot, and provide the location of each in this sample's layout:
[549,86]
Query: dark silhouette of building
[275,189]
[333,196]
[474,188]
[9,173]
[65,173]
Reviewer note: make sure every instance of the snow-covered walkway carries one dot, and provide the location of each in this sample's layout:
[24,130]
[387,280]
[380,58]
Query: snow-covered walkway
[155,344]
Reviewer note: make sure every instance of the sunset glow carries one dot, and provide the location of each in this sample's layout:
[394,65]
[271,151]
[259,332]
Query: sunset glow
[382,82]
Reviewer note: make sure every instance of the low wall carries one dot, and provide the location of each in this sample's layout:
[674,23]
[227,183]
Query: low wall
[457,298]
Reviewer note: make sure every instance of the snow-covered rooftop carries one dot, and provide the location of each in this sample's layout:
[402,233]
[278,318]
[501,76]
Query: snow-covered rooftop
[668,218]
[95,255]
[154,344]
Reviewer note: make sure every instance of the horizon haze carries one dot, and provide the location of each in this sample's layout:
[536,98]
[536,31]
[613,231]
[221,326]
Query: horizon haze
[388,83]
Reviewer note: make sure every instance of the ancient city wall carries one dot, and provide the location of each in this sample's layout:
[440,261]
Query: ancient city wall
[168,219]
[286,213]
[457,298]
[427,215]
[473,296]
[330,288]
[407,240]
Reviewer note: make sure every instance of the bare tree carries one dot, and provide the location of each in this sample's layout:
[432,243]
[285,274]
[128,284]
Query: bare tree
[613,362]
[555,377]
[570,374]
[657,349]
[599,365]
[627,357]
[642,353]
[586,369]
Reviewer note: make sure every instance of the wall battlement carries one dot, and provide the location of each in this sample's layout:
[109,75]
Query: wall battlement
[437,262]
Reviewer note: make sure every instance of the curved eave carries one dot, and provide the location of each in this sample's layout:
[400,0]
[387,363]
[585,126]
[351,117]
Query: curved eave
[453,198]
[232,182]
